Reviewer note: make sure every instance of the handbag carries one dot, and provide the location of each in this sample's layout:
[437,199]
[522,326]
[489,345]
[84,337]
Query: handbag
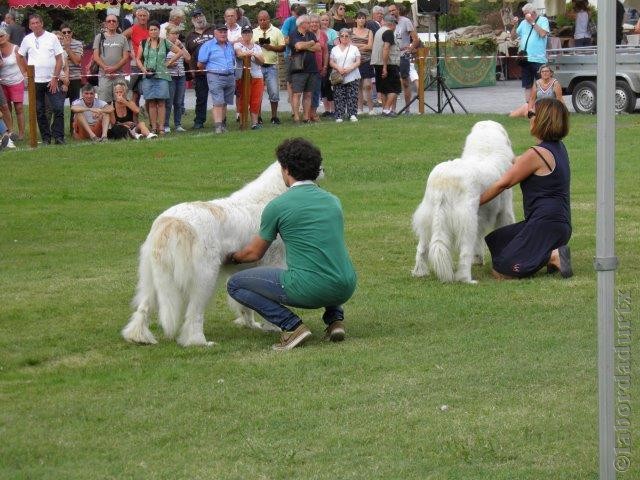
[335,77]
[297,63]
[521,58]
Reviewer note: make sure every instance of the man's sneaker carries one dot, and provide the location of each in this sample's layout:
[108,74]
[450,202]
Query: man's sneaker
[179,128]
[275,120]
[334,331]
[353,118]
[219,129]
[197,126]
[167,129]
[289,340]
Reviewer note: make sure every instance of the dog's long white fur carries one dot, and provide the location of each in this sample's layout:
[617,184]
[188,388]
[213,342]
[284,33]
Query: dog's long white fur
[448,219]
[181,261]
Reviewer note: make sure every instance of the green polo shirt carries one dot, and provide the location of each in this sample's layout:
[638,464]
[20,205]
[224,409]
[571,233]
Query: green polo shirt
[309,220]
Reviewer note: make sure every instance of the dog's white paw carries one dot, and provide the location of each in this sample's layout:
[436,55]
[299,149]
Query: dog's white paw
[420,270]
[247,323]
[270,327]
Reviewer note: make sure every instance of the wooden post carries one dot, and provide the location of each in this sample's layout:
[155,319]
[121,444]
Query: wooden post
[246,93]
[31,91]
[422,71]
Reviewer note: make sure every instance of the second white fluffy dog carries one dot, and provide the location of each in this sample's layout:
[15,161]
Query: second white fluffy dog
[449,219]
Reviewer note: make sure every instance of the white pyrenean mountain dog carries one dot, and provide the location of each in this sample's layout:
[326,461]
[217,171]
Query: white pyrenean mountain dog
[181,261]
[448,219]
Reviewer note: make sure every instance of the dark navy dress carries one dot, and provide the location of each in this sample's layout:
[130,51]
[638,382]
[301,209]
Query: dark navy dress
[521,249]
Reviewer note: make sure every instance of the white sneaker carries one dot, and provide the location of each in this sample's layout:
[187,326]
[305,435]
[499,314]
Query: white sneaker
[353,118]
[167,130]
[10,144]
[338,120]
[373,112]
[180,129]
[151,135]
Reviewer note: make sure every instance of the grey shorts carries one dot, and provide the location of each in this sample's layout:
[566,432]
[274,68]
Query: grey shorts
[221,88]
[304,82]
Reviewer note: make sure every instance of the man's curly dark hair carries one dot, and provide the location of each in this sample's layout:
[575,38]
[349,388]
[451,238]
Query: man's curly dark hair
[300,157]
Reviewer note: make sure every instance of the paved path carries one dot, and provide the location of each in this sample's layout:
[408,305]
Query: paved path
[504,97]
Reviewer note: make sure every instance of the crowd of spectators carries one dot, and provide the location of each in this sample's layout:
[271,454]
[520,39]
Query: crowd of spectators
[163,59]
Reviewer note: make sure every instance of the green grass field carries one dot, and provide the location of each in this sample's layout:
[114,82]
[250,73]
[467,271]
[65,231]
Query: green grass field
[514,362]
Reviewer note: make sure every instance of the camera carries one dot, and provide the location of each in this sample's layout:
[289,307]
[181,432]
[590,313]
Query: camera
[264,41]
[150,73]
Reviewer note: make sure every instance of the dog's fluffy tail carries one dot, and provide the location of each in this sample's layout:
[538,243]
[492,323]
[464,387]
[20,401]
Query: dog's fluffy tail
[169,250]
[440,245]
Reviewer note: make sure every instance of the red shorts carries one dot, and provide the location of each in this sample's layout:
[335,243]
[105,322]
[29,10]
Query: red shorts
[14,93]
[255,95]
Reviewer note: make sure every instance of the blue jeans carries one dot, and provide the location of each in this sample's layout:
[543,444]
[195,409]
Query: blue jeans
[270,76]
[177,87]
[56,103]
[260,289]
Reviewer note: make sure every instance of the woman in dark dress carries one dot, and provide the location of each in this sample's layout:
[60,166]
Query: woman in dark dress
[521,249]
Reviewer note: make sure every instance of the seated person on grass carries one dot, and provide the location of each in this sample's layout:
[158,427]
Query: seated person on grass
[125,112]
[91,116]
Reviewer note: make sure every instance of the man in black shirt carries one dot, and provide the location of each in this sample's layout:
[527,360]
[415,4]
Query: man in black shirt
[202,33]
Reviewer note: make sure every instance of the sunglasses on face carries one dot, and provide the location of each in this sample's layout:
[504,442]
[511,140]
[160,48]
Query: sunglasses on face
[66,32]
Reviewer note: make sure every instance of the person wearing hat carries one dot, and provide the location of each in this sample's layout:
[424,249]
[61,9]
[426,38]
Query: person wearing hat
[218,58]
[246,48]
[202,32]
[385,58]
[271,40]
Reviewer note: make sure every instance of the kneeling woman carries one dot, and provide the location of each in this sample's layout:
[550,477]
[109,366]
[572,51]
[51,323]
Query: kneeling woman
[521,249]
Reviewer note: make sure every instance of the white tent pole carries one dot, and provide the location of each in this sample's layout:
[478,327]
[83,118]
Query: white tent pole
[605,261]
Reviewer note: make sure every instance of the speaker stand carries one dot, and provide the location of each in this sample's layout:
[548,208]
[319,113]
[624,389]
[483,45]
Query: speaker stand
[440,83]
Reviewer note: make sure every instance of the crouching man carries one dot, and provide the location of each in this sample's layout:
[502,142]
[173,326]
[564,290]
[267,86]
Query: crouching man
[90,116]
[319,271]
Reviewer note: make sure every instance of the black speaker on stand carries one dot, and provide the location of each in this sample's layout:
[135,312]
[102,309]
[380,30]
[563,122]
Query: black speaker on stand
[437,8]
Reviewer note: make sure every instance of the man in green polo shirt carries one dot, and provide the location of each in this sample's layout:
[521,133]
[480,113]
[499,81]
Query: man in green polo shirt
[319,271]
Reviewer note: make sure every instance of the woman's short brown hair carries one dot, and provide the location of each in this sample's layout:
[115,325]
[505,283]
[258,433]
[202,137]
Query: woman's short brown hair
[551,122]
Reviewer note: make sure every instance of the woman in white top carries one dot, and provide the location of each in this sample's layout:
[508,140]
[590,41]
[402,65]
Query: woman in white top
[12,81]
[345,58]
[581,36]
[246,48]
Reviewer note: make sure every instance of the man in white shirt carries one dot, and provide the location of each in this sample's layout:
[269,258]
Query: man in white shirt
[42,49]
[176,18]
[234,31]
